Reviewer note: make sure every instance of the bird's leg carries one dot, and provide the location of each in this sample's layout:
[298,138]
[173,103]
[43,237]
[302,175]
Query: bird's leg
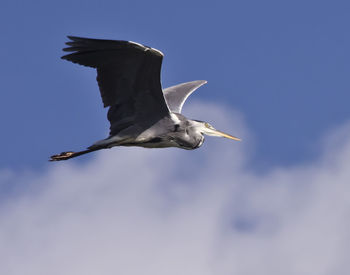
[102,144]
[69,155]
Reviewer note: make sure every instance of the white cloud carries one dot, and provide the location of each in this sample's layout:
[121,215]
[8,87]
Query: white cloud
[139,211]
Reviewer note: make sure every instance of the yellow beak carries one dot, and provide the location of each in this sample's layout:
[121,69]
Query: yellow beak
[222,134]
[216,133]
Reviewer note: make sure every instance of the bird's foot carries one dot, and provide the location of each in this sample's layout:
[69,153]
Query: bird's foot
[62,156]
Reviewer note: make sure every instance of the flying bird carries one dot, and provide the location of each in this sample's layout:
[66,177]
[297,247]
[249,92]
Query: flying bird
[140,112]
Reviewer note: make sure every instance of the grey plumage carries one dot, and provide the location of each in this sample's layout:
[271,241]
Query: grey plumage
[140,112]
[176,96]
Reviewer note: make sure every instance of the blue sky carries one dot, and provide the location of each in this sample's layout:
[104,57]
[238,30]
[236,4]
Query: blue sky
[283,65]
[275,203]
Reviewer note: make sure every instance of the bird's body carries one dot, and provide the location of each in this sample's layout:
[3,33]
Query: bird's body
[140,112]
[173,131]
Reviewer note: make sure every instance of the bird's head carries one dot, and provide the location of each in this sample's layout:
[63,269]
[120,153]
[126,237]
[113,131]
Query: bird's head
[207,129]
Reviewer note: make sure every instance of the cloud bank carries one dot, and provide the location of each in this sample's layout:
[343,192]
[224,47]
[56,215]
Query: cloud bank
[140,211]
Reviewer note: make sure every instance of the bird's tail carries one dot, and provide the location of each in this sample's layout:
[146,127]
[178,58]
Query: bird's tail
[69,155]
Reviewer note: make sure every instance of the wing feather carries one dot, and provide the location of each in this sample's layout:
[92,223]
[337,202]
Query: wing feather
[176,96]
[128,76]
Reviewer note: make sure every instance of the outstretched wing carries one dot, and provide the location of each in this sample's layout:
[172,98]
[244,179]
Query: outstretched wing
[128,75]
[176,96]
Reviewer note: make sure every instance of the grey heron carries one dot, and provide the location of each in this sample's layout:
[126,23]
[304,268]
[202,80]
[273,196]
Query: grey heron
[140,112]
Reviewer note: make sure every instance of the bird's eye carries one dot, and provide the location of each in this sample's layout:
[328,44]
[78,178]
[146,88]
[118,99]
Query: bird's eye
[207,125]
